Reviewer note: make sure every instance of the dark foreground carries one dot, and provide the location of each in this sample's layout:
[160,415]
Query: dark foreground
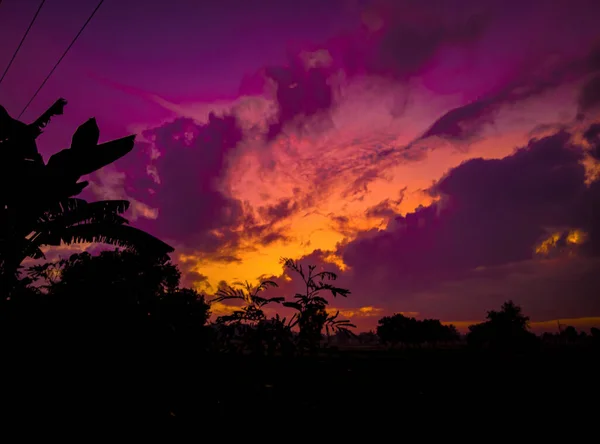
[337,384]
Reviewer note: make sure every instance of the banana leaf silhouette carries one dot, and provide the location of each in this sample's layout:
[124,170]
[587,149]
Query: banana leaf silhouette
[37,204]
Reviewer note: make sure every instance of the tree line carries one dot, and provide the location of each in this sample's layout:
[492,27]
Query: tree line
[121,293]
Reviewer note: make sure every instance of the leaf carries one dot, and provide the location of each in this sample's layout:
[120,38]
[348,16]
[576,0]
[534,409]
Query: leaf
[326,275]
[105,154]
[70,164]
[75,211]
[265,284]
[277,299]
[87,134]
[294,305]
[119,235]
[320,301]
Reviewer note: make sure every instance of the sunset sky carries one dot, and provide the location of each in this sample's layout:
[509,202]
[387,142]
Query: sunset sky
[441,156]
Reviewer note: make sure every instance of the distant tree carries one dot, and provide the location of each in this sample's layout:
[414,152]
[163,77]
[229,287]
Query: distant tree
[395,329]
[432,331]
[569,334]
[595,334]
[401,329]
[507,329]
[368,338]
[311,315]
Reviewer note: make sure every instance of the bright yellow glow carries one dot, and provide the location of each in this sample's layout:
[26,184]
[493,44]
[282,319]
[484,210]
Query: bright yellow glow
[576,237]
[361,312]
[552,243]
[548,244]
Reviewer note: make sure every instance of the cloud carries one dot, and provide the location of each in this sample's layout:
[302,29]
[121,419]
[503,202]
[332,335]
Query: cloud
[190,159]
[399,38]
[466,121]
[592,136]
[490,218]
[387,208]
[491,212]
[181,170]
[589,98]
[302,87]
[339,118]
[546,289]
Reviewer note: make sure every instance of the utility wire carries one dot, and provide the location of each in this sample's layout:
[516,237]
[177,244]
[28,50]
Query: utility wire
[62,57]
[22,40]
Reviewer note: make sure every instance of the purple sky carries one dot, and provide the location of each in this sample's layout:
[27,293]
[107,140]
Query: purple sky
[440,155]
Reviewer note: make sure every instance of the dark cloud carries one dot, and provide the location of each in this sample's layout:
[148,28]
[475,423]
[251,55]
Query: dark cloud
[463,122]
[466,122]
[491,213]
[280,211]
[589,97]
[592,135]
[407,36]
[410,36]
[303,90]
[385,209]
[192,159]
[181,172]
[547,290]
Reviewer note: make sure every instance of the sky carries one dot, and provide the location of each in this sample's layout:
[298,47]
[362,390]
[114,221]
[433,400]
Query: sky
[441,157]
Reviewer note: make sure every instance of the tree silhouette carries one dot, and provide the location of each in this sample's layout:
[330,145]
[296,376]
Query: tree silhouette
[402,329]
[311,316]
[118,287]
[507,329]
[394,329]
[37,204]
[116,327]
[113,298]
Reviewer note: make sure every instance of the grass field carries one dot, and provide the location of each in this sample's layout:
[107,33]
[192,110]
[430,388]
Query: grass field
[376,382]
[342,384]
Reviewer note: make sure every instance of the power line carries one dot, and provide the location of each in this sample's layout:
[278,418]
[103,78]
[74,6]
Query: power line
[22,40]
[61,57]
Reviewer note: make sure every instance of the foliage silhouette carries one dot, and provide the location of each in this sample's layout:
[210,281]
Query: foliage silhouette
[311,316]
[122,288]
[248,328]
[252,312]
[398,329]
[37,204]
[110,325]
[507,330]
